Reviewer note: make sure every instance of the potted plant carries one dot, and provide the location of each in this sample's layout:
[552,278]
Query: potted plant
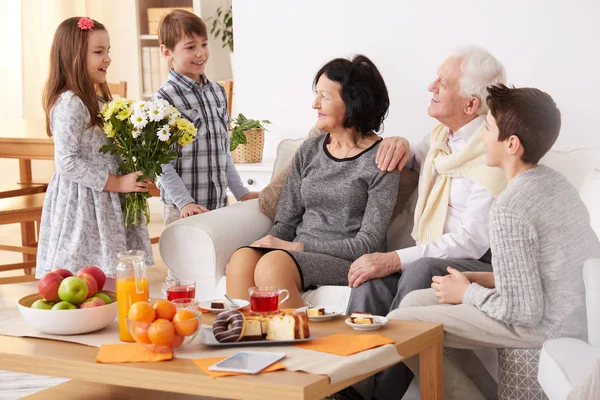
[247,139]
[222,27]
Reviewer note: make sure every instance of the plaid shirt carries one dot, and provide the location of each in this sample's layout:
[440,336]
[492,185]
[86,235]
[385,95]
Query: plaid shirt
[204,168]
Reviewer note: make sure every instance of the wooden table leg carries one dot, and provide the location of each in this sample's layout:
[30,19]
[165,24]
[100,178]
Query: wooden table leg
[431,362]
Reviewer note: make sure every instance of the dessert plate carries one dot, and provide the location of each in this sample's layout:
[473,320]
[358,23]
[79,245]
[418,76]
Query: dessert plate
[208,338]
[329,314]
[241,304]
[379,322]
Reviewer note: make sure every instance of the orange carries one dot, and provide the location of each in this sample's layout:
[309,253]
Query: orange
[161,332]
[140,332]
[186,322]
[141,312]
[164,309]
[177,340]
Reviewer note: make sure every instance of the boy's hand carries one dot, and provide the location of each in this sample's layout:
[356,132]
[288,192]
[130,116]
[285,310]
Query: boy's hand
[192,209]
[249,196]
[450,288]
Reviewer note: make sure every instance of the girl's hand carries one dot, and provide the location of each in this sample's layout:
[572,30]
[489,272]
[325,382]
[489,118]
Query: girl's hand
[275,243]
[128,183]
[451,288]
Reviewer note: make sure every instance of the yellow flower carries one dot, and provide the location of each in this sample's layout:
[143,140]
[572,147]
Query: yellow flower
[110,110]
[109,130]
[124,114]
[120,103]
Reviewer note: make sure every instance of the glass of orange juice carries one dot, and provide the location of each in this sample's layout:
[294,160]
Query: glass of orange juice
[131,285]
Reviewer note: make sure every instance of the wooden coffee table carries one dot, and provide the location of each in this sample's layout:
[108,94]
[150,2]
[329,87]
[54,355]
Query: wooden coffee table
[179,378]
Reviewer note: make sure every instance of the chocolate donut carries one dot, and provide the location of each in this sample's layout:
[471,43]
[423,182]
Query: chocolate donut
[229,326]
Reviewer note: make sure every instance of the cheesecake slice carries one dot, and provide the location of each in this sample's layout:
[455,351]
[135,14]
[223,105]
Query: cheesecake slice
[315,312]
[362,318]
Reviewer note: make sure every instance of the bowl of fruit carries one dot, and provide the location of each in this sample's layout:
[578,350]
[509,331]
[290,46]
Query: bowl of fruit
[162,326]
[70,305]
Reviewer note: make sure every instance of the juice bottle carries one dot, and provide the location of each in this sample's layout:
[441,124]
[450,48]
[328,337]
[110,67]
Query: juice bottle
[131,285]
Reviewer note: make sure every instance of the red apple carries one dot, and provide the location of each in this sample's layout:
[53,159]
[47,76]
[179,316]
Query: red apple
[48,286]
[65,273]
[92,302]
[96,272]
[91,283]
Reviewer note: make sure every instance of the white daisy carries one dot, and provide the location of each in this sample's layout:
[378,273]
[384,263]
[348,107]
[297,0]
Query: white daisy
[164,133]
[136,133]
[155,112]
[139,105]
[139,120]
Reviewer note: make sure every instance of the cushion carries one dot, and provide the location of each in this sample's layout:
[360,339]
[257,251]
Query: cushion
[518,374]
[564,364]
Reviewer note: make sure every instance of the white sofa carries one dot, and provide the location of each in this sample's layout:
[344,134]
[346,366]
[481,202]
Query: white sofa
[198,248]
[566,363]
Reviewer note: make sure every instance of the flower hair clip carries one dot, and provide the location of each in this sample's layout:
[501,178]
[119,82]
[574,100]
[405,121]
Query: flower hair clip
[85,23]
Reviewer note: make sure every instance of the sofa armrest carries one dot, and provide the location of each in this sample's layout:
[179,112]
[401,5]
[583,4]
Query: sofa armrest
[591,279]
[198,248]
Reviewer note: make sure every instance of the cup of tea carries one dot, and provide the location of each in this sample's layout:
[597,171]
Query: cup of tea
[265,299]
[176,289]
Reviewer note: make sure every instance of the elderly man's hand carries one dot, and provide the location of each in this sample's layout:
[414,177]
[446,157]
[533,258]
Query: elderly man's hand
[276,243]
[451,288]
[392,153]
[373,266]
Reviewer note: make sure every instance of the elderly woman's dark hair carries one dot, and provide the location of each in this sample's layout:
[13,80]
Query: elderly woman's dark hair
[362,89]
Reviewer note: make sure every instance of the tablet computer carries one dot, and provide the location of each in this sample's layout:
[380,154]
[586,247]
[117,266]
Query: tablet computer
[249,362]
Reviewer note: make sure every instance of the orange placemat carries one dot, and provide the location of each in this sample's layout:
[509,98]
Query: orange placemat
[129,352]
[344,344]
[204,363]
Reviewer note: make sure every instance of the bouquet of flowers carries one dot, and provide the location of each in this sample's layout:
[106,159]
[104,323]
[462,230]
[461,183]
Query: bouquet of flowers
[145,135]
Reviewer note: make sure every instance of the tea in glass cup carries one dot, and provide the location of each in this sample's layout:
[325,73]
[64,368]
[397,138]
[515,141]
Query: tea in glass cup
[176,289]
[265,299]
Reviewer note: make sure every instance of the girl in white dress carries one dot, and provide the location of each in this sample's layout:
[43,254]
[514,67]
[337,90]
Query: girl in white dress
[82,222]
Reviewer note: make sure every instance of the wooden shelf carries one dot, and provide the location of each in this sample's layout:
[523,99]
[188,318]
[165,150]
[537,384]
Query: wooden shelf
[148,37]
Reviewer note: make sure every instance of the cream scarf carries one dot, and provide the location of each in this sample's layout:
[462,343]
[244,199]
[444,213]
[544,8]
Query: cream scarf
[432,204]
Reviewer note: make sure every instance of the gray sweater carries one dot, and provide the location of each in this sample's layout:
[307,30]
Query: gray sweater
[540,236]
[338,207]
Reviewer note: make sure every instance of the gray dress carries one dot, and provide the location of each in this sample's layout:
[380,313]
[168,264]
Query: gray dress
[82,224]
[339,209]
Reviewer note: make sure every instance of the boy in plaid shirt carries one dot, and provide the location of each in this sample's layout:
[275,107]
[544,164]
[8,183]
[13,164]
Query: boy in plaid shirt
[197,180]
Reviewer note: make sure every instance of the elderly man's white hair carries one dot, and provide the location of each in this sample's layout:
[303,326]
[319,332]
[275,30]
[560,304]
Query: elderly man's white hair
[479,70]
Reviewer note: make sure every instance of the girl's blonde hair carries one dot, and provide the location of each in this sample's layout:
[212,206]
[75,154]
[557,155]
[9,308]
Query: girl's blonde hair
[68,70]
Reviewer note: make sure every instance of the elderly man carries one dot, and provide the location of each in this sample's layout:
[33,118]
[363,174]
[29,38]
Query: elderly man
[456,192]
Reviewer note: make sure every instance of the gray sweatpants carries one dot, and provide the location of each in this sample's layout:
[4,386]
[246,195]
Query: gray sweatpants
[465,328]
[381,296]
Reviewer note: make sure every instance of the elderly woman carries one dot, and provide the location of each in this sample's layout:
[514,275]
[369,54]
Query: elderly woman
[336,204]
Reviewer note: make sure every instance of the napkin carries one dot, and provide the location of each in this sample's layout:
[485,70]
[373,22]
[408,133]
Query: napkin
[204,363]
[129,352]
[345,344]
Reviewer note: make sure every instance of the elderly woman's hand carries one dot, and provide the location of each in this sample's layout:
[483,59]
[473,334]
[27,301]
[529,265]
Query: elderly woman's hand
[392,153]
[275,243]
[450,288]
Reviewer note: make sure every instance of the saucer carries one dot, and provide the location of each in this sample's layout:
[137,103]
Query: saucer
[379,322]
[329,314]
[241,304]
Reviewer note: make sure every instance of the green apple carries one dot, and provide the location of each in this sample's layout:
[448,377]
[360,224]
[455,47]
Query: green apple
[64,305]
[42,304]
[73,289]
[104,297]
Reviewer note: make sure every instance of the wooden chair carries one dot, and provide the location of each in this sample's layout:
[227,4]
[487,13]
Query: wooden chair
[119,89]
[228,86]
[22,202]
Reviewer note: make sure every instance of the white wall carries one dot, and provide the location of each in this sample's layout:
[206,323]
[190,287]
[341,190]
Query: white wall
[280,45]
